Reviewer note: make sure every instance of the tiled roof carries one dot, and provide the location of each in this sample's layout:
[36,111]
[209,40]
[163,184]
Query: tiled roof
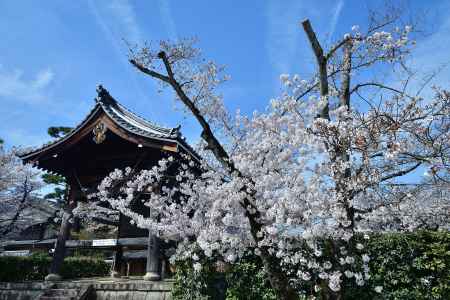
[127,120]
[131,121]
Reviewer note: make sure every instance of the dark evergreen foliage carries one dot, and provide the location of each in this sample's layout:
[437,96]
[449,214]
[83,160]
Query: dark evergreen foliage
[407,265]
[36,266]
[58,131]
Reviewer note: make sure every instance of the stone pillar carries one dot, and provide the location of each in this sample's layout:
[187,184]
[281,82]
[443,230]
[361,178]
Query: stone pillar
[117,264]
[152,258]
[63,235]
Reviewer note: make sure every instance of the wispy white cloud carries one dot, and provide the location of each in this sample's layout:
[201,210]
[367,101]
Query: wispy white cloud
[335,18]
[118,22]
[168,21]
[282,33]
[105,28]
[125,14]
[108,18]
[15,86]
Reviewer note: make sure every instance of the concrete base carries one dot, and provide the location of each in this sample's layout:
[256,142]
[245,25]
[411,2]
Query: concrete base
[115,274]
[53,277]
[152,276]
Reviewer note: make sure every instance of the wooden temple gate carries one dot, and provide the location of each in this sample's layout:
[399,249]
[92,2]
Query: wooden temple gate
[110,137]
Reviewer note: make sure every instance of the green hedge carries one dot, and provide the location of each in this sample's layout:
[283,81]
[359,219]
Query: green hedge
[78,267]
[36,266]
[407,266]
[247,280]
[23,268]
[412,265]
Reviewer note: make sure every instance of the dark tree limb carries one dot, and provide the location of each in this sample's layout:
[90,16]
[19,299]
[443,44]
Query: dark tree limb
[149,72]
[322,64]
[379,85]
[337,47]
[207,134]
[401,172]
[345,76]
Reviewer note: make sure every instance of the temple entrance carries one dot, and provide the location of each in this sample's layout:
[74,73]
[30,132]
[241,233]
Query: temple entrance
[110,137]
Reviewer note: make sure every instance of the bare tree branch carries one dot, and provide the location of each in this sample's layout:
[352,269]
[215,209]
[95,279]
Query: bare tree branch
[401,173]
[379,85]
[149,72]
[207,133]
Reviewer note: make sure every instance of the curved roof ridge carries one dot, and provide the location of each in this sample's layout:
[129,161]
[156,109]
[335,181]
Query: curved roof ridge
[126,119]
[60,139]
[107,101]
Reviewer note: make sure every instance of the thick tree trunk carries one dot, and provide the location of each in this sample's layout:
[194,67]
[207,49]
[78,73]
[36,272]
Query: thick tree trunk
[76,224]
[278,280]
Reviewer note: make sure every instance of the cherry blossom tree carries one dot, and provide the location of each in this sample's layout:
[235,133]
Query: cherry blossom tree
[294,184]
[18,186]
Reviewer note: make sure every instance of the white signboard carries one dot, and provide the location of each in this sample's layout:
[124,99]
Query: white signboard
[15,253]
[103,243]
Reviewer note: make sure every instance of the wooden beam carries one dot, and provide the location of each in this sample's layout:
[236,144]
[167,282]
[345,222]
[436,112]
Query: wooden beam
[48,244]
[113,127]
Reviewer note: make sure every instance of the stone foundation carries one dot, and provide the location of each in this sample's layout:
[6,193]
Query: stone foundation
[102,289]
[22,291]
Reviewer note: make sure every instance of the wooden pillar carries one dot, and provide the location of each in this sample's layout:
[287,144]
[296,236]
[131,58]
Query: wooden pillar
[152,269]
[118,254]
[163,269]
[63,235]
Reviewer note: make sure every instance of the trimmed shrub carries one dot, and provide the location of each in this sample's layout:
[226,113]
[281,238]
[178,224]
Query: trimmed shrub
[24,268]
[78,267]
[36,266]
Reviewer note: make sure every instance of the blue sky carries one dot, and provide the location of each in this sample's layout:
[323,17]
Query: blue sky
[54,53]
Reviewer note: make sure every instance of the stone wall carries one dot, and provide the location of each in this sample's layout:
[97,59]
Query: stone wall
[22,291]
[142,290]
[105,289]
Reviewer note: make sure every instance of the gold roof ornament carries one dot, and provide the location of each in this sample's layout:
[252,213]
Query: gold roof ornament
[99,133]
